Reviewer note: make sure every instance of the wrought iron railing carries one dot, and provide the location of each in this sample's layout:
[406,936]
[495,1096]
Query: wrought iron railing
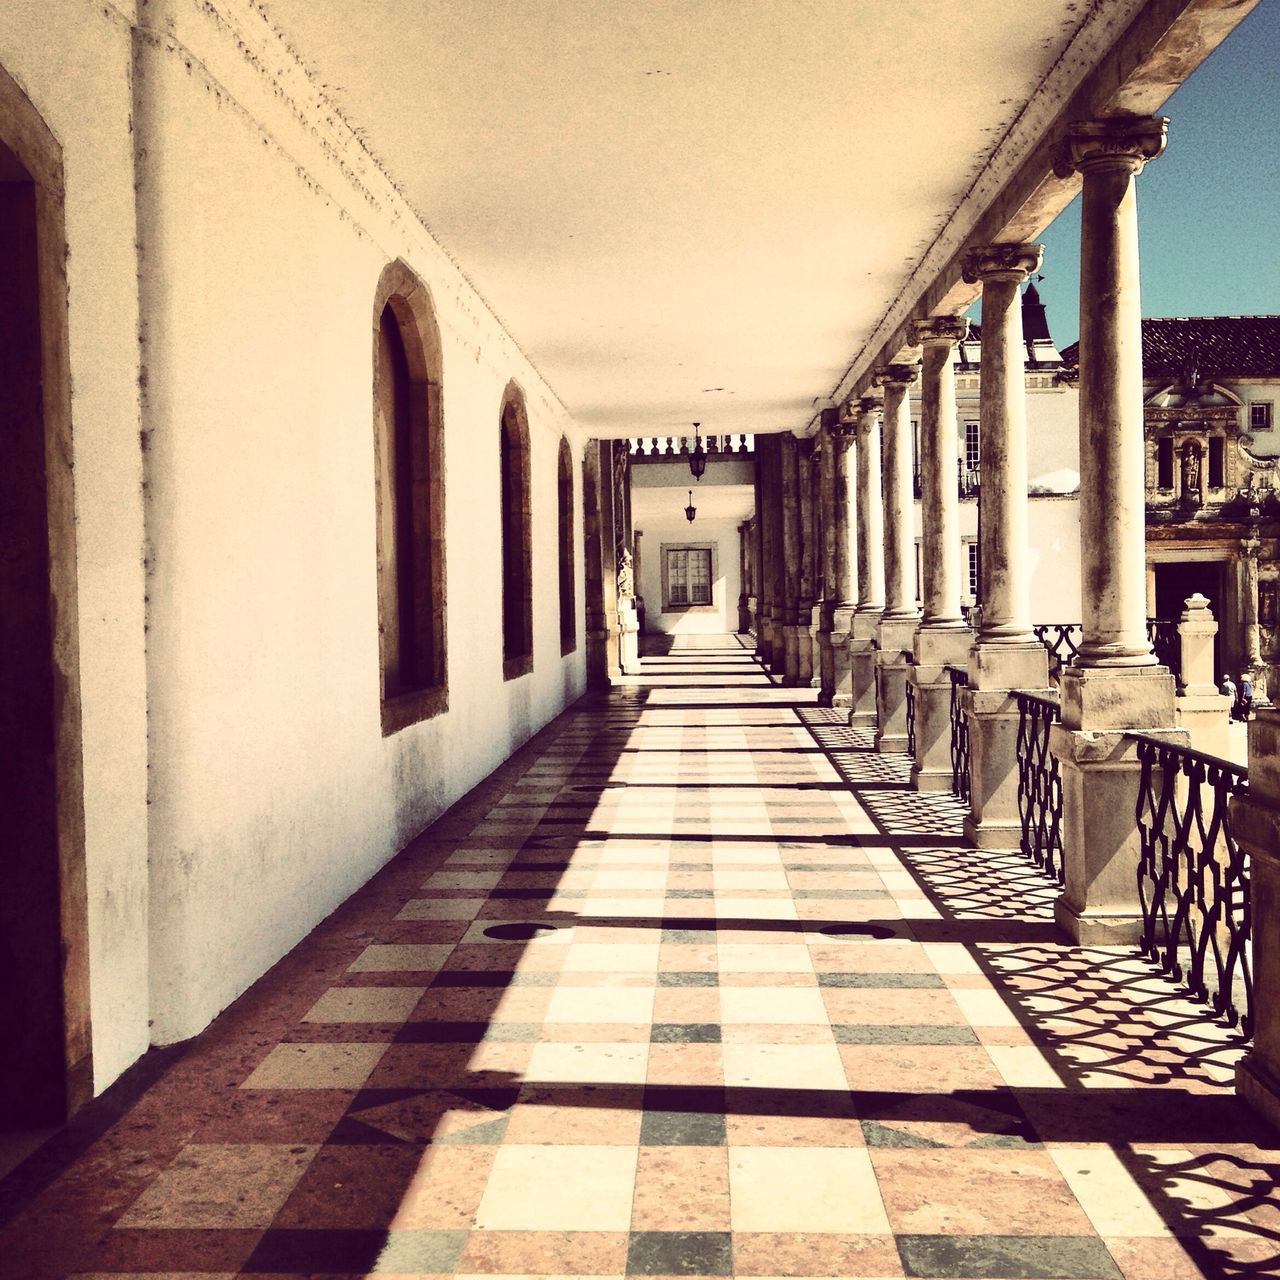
[1062,639]
[911,716]
[959,735]
[1039,786]
[1163,634]
[1193,878]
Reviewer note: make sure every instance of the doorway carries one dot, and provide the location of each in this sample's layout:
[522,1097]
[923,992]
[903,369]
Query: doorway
[45,1058]
[1178,579]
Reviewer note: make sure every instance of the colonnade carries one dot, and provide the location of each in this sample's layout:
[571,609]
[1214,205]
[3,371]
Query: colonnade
[872,641]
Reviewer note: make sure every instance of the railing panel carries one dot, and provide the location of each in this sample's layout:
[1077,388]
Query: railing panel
[911,717]
[1062,640]
[959,735]
[1039,786]
[1164,638]
[1193,878]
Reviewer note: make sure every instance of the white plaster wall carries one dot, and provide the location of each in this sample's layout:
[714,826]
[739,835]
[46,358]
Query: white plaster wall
[722,616]
[1053,553]
[248,647]
[72,60]
[274,794]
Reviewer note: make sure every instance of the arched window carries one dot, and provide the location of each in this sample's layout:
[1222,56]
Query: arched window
[517,553]
[564,494]
[46,1067]
[409,449]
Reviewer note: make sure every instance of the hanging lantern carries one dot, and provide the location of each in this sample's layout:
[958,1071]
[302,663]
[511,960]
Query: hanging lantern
[698,458]
[690,511]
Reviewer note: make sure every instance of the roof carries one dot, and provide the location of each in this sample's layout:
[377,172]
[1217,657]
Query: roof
[1214,346]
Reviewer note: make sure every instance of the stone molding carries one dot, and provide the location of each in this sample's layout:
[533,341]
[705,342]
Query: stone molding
[1125,142]
[896,375]
[939,329]
[1006,260]
[867,407]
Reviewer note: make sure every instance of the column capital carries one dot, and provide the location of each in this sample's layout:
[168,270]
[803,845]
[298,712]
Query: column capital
[842,433]
[1004,260]
[1125,142]
[939,329]
[867,408]
[896,375]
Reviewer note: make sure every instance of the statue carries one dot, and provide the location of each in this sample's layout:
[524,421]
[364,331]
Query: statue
[1190,471]
[626,577]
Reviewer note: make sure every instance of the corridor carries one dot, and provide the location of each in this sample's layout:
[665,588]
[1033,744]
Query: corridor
[695,984]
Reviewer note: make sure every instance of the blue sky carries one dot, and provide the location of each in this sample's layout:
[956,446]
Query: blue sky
[1209,207]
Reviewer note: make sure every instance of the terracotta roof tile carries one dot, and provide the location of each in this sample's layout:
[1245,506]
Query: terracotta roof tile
[1220,346]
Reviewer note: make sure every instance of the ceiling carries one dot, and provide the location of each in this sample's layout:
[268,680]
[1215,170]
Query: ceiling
[686,209]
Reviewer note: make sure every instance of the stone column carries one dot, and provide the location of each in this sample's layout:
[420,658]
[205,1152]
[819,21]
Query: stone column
[757,561]
[1253,661]
[896,632]
[816,505]
[843,598]
[866,619]
[1255,822]
[791,553]
[628,619]
[807,587]
[774,573]
[1006,656]
[744,576]
[942,639]
[826,511]
[766,457]
[1115,684]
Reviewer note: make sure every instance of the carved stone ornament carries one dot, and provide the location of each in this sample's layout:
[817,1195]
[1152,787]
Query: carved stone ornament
[901,375]
[868,407]
[1125,140]
[1007,260]
[948,329]
[626,578]
[842,432]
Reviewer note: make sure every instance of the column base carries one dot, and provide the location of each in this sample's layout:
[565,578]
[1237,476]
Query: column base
[893,663]
[790,654]
[862,682]
[935,649]
[995,672]
[992,833]
[1258,1088]
[1097,928]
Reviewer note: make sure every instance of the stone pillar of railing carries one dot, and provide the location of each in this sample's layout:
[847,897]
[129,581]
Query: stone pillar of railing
[896,632]
[1115,684]
[1006,655]
[1200,709]
[770,570]
[844,598]
[757,564]
[818,448]
[791,553]
[807,583]
[942,638]
[866,618]
[827,605]
[1255,823]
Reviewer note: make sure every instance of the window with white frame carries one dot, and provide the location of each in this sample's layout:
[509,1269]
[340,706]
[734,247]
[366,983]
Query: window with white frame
[971,452]
[686,576]
[971,550]
[1260,415]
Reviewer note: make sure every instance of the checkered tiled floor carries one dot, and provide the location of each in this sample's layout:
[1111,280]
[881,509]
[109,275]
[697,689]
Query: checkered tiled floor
[694,986]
